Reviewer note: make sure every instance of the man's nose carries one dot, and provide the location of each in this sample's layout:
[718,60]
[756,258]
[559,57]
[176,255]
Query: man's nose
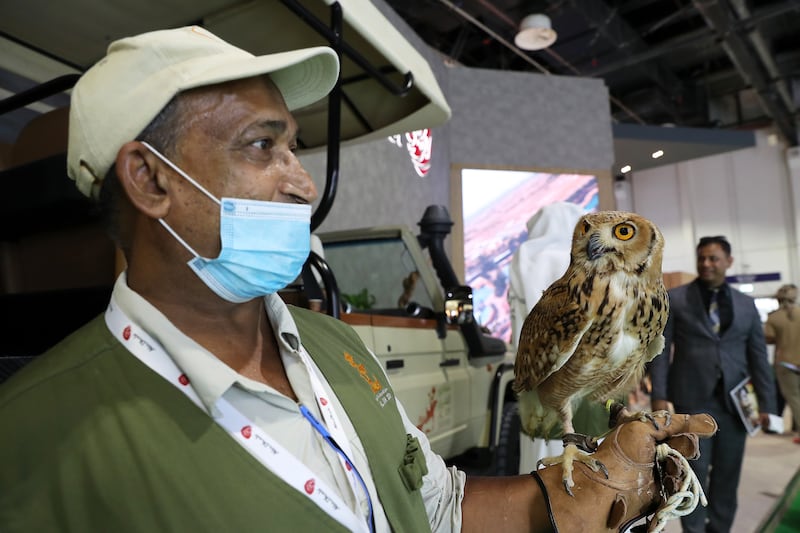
[296,181]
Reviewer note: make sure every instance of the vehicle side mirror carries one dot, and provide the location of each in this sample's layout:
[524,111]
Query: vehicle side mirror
[458,305]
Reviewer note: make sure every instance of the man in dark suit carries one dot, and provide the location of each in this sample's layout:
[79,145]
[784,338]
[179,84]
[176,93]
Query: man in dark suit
[718,341]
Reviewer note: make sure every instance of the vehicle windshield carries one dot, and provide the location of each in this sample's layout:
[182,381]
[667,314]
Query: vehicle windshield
[376,275]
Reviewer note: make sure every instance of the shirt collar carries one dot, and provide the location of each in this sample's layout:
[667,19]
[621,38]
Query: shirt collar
[209,376]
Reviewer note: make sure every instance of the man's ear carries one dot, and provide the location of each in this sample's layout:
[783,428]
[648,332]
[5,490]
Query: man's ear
[143,179]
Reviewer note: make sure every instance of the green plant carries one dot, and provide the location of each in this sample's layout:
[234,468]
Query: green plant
[360,300]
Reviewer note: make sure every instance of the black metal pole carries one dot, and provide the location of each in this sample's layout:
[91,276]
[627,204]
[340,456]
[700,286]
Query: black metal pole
[39,92]
[334,126]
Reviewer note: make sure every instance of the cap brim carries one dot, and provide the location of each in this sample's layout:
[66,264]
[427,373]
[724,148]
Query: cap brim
[302,76]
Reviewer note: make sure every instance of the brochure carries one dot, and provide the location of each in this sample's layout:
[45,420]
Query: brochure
[744,398]
[790,366]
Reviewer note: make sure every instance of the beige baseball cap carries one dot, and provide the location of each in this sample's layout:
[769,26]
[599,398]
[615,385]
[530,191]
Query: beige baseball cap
[123,92]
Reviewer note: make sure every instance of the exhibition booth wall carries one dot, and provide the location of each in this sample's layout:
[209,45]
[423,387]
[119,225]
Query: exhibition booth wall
[750,195]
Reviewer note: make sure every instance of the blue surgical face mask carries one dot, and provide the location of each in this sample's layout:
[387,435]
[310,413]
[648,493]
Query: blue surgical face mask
[264,245]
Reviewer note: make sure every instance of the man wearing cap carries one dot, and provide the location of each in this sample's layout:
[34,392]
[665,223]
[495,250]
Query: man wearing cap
[199,401]
[783,330]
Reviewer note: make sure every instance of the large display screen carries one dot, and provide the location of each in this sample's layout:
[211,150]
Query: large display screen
[495,207]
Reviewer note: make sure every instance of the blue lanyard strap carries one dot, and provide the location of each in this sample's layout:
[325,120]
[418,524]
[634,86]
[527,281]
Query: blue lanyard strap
[323,431]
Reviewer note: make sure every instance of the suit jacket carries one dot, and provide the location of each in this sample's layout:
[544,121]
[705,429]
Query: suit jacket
[701,357]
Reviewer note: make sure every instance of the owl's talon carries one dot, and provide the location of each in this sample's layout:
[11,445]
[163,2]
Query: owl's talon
[615,411]
[596,466]
[667,417]
[651,418]
[602,468]
[622,415]
[568,458]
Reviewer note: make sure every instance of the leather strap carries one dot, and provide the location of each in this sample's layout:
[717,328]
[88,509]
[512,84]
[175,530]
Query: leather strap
[538,479]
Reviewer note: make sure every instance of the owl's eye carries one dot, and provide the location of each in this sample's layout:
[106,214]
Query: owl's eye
[586,227]
[624,231]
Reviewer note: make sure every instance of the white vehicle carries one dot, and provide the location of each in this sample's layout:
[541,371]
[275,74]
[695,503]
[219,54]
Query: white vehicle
[401,295]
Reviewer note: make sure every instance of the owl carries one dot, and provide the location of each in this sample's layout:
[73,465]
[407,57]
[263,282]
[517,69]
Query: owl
[593,330]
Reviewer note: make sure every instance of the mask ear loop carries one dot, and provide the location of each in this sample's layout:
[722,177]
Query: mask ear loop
[186,176]
[199,187]
[178,238]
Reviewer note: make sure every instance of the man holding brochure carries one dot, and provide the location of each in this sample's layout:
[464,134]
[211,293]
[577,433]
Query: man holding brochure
[718,342]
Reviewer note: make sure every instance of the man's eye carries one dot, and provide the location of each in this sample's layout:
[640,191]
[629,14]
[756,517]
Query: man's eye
[263,144]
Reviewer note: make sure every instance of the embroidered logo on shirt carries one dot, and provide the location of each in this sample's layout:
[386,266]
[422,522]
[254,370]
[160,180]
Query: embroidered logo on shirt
[382,395]
[247,431]
[309,486]
[183,379]
[126,333]
[374,383]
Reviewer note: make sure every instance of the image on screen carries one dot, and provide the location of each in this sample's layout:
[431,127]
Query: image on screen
[496,204]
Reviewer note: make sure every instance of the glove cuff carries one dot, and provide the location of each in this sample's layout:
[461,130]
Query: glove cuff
[543,488]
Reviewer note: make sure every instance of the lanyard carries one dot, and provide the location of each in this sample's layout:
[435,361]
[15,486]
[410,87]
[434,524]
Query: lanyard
[257,442]
[333,432]
[349,466]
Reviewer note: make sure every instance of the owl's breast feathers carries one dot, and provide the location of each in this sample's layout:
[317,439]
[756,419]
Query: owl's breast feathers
[591,333]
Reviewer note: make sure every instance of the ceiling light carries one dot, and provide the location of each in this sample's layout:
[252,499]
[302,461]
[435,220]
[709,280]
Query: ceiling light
[625,169]
[535,33]
[657,154]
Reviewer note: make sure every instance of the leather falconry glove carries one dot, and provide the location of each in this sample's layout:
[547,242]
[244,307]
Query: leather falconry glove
[635,486]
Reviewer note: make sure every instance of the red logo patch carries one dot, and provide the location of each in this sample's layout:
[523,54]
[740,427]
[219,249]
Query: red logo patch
[126,333]
[183,380]
[323,401]
[309,486]
[247,431]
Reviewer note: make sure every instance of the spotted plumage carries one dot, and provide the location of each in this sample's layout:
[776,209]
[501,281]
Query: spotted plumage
[595,328]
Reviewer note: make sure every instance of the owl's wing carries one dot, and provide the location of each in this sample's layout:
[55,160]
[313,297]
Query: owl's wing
[550,335]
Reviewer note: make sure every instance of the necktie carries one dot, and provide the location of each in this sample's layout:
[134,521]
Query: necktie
[713,310]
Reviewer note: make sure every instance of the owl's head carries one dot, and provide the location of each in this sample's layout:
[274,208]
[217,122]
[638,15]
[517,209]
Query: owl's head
[615,240]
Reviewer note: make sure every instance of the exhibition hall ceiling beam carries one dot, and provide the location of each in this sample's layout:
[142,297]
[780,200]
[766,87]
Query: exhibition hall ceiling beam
[694,39]
[698,39]
[626,39]
[764,54]
[740,50]
[613,28]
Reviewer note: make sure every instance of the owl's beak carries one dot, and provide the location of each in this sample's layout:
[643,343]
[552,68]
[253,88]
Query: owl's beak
[594,249]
